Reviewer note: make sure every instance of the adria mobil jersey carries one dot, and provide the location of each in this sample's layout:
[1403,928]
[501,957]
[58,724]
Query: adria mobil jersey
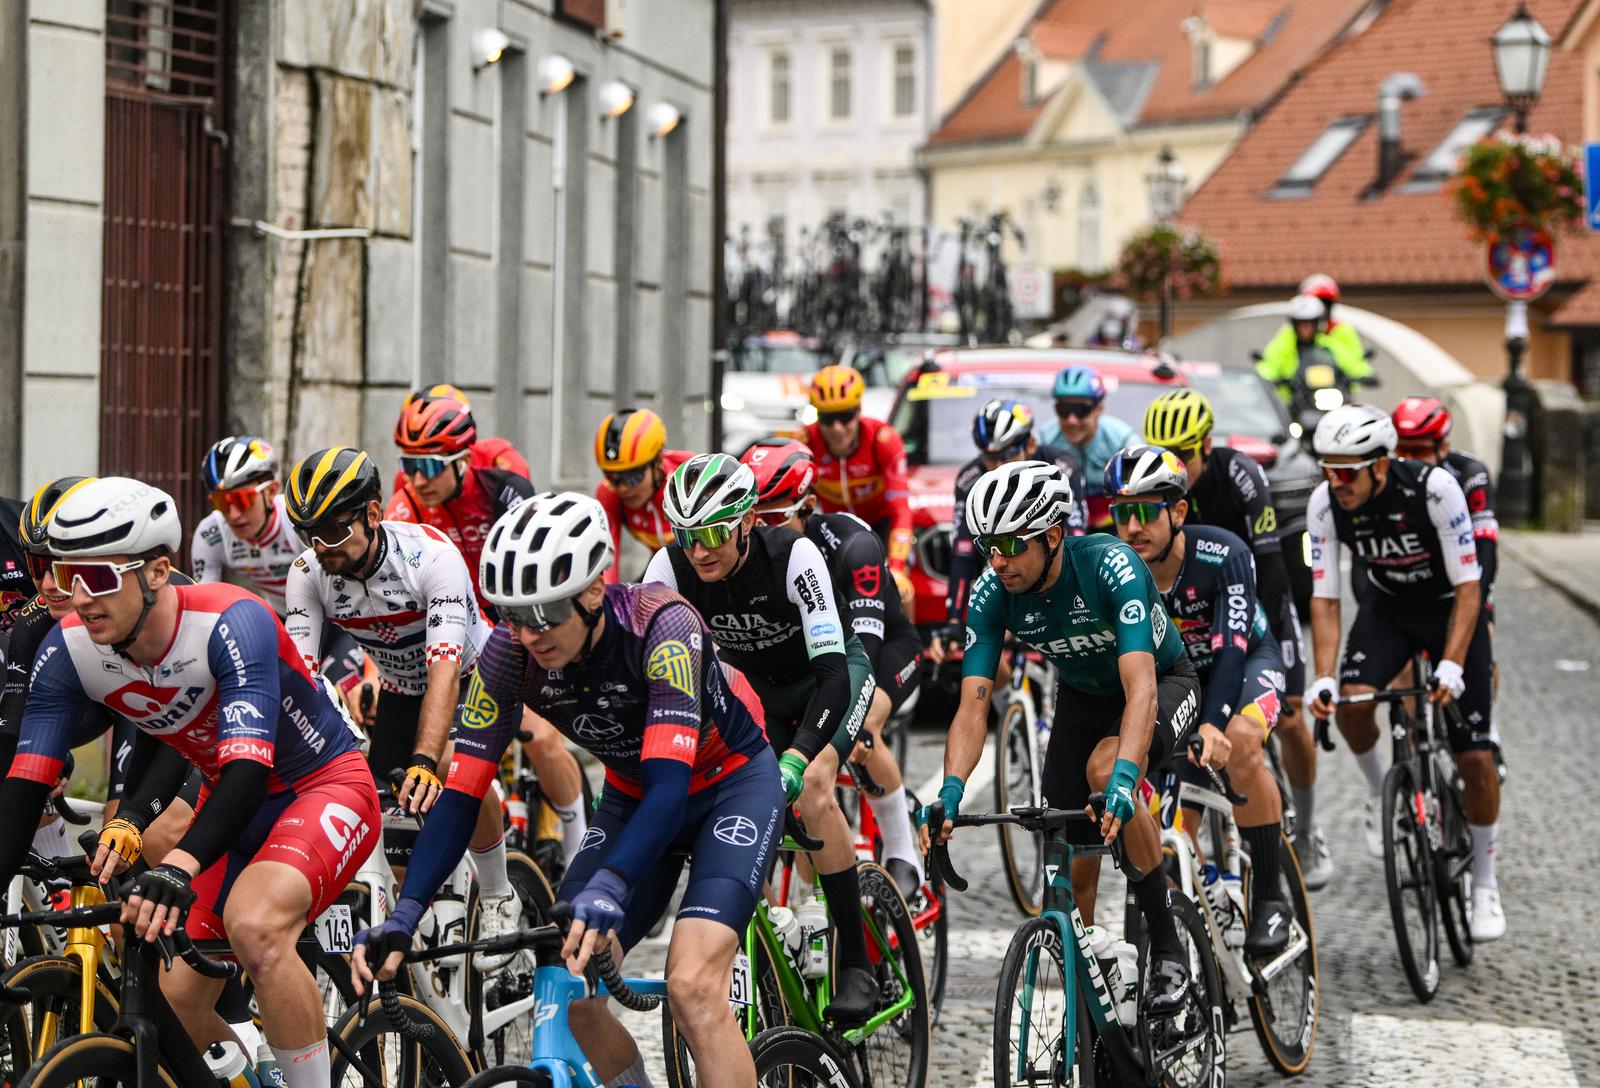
[230,686]
[651,687]
[415,607]
[1103,605]
[263,562]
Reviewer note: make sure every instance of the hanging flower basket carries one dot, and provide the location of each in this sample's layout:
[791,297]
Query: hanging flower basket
[1507,181]
[1162,250]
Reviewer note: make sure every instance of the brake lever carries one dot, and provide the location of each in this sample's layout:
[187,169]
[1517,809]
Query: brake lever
[939,853]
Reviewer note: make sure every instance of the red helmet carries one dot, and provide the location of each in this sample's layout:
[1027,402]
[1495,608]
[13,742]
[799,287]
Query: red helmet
[1321,285]
[434,423]
[1421,419]
[784,472]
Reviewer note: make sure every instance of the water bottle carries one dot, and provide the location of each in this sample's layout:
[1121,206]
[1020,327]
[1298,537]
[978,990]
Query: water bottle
[1226,895]
[812,917]
[517,810]
[267,1071]
[227,1061]
[787,927]
[1119,964]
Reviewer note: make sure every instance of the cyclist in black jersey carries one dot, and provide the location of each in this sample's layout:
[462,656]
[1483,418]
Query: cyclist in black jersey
[785,471]
[16,587]
[1410,522]
[1228,489]
[770,603]
[1207,581]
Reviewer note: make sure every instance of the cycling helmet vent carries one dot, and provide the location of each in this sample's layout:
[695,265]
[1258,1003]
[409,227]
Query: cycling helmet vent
[550,548]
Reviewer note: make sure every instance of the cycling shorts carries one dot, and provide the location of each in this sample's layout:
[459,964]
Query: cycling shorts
[899,669]
[785,704]
[730,832]
[1261,696]
[123,735]
[394,733]
[1388,630]
[323,827]
[1293,652]
[1084,720]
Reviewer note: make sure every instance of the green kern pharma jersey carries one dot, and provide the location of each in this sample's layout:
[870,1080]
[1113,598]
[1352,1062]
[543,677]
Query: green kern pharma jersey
[1104,605]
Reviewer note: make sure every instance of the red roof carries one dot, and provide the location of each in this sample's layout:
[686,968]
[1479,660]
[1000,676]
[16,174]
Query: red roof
[1395,238]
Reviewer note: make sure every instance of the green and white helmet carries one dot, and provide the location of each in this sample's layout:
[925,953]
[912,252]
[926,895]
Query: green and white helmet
[710,489]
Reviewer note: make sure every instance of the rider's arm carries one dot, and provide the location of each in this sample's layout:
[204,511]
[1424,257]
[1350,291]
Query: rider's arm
[611,503]
[810,590]
[302,611]
[1232,616]
[1261,523]
[206,550]
[156,772]
[1129,600]
[986,636]
[448,590]
[1325,588]
[1447,510]
[891,455]
[1280,358]
[29,629]
[1485,526]
[867,586]
[659,570]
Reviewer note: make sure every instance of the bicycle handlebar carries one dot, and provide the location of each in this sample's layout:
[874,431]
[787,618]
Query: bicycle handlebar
[1324,736]
[67,812]
[1219,776]
[795,828]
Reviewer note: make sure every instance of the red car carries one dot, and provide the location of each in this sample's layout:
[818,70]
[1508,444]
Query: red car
[933,412]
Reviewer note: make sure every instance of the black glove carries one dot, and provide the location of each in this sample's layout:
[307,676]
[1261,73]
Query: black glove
[166,886]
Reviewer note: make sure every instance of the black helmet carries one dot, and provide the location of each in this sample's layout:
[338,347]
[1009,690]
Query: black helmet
[36,513]
[331,482]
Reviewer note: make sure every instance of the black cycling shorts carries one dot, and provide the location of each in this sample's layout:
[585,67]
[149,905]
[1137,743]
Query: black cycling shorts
[899,669]
[394,733]
[1388,630]
[123,735]
[1083,721]
[785,705]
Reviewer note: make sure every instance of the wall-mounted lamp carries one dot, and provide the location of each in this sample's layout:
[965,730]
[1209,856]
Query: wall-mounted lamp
[556,74]
[663,117]
[488,46]
[616,99]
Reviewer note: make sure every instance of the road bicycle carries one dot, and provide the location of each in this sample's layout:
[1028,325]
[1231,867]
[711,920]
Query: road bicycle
[1055,1017]
[1283,993]
[1021,739]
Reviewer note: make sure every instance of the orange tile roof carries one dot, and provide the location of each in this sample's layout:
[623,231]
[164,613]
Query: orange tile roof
[1398,238]
[1581,310]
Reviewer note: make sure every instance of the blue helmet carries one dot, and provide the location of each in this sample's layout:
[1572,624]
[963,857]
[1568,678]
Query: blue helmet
[1002,424]
[1080,381]
[236,461]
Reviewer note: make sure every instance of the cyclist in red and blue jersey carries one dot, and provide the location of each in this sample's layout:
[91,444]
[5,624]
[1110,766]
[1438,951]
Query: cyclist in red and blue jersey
[630,673]
[212,673]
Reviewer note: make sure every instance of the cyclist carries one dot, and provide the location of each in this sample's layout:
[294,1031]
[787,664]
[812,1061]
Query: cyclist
[210,671]
[685,760]
[861,463]
[785,472]
[630,448]
[1310,328]
[402,591]
[1422,430]
[1208,583]
[769,600]
[1085,432]
[16,587]
[483,452]
[1410,522]
[1229,490]
[1129,694]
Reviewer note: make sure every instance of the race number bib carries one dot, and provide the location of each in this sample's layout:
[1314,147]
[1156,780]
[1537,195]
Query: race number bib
[739,993]
[335,932]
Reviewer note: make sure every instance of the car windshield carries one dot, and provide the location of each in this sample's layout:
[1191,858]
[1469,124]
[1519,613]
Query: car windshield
[759,358]
[1242,402]
[935,419]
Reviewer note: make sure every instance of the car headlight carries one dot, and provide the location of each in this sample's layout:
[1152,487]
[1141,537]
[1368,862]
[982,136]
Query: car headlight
[1327,400]
[806,414]
[732,402]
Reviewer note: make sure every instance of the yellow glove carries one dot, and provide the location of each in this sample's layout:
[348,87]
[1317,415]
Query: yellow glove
[123,839]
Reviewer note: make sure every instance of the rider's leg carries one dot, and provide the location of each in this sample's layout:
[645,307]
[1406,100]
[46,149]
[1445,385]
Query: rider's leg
[1142,839]
[894,819]
[699,967]
[560,779]
[835,863]
[1359,726]
[1299,751]
[606,1043]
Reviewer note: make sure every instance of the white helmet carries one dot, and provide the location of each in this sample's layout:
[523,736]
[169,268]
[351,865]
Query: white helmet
[1306,308]
[1355,430]
[1018,498]
[115,516]
[709,489]
[235,462]
[549,548]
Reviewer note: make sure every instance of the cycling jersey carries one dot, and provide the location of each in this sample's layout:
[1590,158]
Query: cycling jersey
[485,494]
[647,523]
[263,562]
[1111,436]
[1103,605]
[1415,536]
[16,581]
[415,607]
[870,482]
[1473,476]
[965,562]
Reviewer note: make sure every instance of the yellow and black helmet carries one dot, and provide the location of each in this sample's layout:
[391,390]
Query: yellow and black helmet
[331,482]
[36,513]
[1178,419]
[629,439]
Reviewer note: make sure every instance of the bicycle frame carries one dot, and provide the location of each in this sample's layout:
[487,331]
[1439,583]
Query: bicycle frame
[556,1053]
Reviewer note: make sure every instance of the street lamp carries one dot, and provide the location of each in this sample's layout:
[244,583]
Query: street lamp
[1166,184]
[1521,59]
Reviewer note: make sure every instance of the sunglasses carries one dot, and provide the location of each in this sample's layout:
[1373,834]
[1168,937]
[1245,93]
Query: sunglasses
[838,419]
[324,534]
[1009,545]
[1146,512]
[428,467]
[632,478]
[1004,456]
[98,578]
[1184,453]
[538,618]
[1417,452]
[711,537]
[1073,409]
[1344,474]
[237,499]
[780,515]
[38,566]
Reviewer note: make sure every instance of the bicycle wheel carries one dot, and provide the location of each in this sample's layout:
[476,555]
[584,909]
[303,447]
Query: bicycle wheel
[1189,1049]
[929,913]
[52,1015]
[1014,775]
[789,1057]
[1030,1013]
[425,1054]
[770,1012]
[1284,1011]
[512,1042]
[104,1060]
[1452,866]
[897,1052]
[1407,873]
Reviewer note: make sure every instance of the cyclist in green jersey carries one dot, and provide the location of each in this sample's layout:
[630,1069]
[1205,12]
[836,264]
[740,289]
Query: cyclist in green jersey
[1129,694]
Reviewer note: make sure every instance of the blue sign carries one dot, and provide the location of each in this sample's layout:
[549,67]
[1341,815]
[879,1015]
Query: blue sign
[1591,185]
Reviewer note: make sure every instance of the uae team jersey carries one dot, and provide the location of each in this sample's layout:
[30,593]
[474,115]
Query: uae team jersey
[263,562]
[230,686]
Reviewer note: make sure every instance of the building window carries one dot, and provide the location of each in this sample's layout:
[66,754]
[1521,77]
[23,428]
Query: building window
[780,88]
[839,85]
[1441,162]
[905,81]
[1324,151]
[1089,226]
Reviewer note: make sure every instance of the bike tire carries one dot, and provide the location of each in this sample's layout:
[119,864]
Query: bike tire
[1288,1040]
[930,914]
[1408,877]
[434,1059]
[107,1060]
[897,1053]
[1035,951]
[510,1074]
[1203,1015]
[1021,851]
[790,1057]
[55,982]
[1453,871]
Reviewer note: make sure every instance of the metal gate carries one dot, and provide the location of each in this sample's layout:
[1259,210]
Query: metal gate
[161,375]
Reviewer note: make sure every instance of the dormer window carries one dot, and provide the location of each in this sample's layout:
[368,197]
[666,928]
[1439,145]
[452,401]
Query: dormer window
[1303,175]
[1441,161]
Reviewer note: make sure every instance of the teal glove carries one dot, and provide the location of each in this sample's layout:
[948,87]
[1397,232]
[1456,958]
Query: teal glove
[950,796]
[1119,791]
[792,768]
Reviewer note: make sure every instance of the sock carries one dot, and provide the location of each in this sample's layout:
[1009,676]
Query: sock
[491,863]
[1485,845]
[843,890]
[1371,765]
[1154,897]
[574,822]
[1305,806]
[307,1067]
[233,1004]
[894,824]
[1266,863]
[632,1077]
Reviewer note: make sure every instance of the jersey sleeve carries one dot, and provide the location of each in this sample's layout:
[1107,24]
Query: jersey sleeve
[660,570]
[1249,482]
[490,715]
[1476,486]
[207,553]
[1125,588]
[810,589]
[509,489]
[56,700]
[402,505]
[611,503]
[674,657]
[1324,541]
[897,493]
[32,624]
[1231,619]
[243,654]
[865,584]
[1452,521]
[302,610]
[447,588]
[986,628]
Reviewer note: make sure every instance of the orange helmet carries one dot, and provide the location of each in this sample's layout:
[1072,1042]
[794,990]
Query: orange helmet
[629,439]
[436,421]
[837,389]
